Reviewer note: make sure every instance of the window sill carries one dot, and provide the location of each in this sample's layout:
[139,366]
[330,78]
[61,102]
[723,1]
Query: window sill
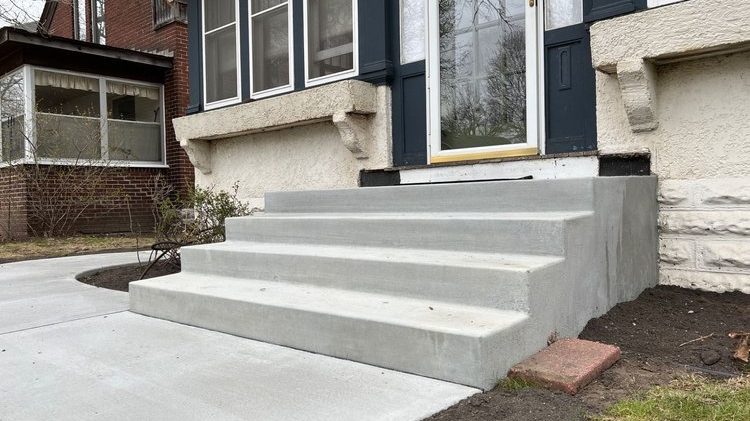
[347,104]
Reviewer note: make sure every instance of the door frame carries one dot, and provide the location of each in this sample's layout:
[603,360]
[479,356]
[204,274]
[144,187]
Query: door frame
[535,118]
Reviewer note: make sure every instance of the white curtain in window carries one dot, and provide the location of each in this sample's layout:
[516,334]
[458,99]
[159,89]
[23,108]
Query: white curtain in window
[560,13]
[412,30]
[66,81]
[119,88]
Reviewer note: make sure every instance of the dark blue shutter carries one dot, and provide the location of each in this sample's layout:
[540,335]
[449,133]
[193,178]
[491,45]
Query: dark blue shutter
[594,10]
[570,92]
[409,98]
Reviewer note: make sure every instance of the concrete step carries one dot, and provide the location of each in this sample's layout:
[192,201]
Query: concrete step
[492,196]
[516,232]
[471,278]
[462,344]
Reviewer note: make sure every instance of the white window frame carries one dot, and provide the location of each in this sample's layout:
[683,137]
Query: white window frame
[237,47]
[30,126]
[535,129]
[290,26]
[347,74]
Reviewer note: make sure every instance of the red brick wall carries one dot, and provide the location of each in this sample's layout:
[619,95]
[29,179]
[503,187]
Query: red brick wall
[12,206]
[62,22]
[127,204]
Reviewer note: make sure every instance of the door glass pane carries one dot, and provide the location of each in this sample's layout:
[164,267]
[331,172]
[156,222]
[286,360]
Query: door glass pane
[271,49]
[560,13]
[221,65]
[482,72]
[218,13]
[330,37]
[412,30]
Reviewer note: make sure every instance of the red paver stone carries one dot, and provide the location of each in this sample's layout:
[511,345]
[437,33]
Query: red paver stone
[567,365]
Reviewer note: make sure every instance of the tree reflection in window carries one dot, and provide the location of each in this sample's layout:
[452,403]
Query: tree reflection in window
[482,72]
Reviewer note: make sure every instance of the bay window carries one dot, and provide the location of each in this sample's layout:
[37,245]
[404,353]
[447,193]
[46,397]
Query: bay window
[272,69]
[331,40]
[221,61]
[81,119]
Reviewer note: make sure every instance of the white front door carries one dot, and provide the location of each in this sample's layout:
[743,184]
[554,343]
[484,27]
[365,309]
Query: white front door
[483,79]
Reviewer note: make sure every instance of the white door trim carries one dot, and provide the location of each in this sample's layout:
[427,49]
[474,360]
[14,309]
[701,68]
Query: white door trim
[534,97]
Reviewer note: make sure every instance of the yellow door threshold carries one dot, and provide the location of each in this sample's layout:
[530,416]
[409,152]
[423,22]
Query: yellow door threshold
[478,156]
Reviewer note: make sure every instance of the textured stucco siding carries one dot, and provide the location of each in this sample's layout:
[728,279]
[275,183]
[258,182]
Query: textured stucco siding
[700,147]
[306,157]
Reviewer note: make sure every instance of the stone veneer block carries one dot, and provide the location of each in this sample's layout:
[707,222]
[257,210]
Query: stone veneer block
[567,365]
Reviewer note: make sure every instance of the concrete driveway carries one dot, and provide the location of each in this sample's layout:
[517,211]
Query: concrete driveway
[69,351]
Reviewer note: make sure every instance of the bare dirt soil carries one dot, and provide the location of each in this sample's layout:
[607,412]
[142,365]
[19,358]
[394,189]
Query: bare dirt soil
[652,333]
[119,278]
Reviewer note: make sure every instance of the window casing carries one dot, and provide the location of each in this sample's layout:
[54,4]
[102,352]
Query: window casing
[271,47]
[221,53]
[331,40]
[98,26]
[87,119]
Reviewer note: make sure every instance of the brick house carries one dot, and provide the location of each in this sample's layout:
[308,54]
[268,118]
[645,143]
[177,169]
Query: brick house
[127,63]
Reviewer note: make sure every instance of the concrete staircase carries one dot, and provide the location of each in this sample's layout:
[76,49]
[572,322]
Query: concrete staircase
[456,282]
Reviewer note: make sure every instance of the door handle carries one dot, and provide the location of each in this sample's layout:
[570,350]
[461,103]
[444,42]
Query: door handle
[532,3]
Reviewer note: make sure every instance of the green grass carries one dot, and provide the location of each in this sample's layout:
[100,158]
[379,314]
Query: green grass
[692,398]
[513,384]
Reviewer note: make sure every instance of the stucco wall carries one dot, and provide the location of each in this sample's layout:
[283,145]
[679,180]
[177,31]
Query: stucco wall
[307,157]
[700,147]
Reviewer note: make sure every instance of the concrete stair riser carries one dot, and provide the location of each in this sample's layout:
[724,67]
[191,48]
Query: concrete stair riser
[460,357]
[480,286]
[502,196]
[488,233]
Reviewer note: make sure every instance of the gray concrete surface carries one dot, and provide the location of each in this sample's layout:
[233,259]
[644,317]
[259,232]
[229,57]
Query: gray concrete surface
[69,351]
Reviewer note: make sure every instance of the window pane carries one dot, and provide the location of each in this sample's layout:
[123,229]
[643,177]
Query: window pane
[221,65]
[80,19]
[66,94]
[271,49]
[412,30]
[261,5]
[560,13]
[69,137]
[133,102]
[100,33]
[218,13]
[12,117]
[330,37]
[132,141]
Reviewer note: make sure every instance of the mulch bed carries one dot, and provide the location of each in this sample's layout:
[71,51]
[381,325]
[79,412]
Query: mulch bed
[650,332]
[119,278]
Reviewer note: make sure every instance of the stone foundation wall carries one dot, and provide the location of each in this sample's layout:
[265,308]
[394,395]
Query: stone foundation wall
[705,233]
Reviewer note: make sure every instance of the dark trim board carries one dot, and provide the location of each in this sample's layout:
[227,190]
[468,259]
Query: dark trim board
[594,10]
[624,164]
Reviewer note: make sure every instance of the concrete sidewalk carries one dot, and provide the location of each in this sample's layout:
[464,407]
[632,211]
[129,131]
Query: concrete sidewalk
[72,351]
